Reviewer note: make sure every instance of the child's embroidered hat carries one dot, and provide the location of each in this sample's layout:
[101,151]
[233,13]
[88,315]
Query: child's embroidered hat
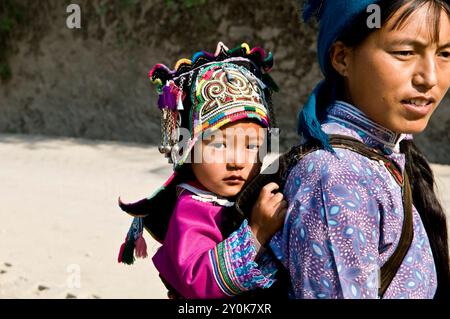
[209,91]
[200,95]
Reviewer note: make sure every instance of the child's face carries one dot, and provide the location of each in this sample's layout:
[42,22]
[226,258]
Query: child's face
[228,158]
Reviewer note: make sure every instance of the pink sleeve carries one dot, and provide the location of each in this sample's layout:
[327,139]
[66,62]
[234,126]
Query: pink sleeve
[196,260]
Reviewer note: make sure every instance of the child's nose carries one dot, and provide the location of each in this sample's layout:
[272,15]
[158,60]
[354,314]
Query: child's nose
[236,158]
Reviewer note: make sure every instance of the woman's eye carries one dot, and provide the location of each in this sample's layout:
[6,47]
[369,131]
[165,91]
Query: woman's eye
[445,54]
[404,53]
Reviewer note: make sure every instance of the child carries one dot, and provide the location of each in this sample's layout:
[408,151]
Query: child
[219,98]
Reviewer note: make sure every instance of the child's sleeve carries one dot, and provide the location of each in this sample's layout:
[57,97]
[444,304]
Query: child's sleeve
[199,264]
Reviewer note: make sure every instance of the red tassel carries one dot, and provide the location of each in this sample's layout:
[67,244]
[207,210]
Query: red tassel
[141,247]
[122,247]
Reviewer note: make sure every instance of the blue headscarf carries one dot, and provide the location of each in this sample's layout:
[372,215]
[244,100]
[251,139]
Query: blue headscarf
[334,16]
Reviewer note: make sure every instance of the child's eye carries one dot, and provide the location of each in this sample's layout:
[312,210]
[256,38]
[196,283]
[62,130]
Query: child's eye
[253,146]
[218,145]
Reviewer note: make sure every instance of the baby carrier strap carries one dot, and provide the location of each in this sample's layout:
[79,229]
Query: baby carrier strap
[286,161]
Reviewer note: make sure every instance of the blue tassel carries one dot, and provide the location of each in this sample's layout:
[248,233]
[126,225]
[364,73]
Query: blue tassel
[308,124]
[126,253]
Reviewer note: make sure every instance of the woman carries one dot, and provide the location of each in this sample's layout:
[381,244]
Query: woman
[345,213]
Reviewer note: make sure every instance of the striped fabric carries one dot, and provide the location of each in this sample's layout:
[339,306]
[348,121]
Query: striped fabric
[233,262]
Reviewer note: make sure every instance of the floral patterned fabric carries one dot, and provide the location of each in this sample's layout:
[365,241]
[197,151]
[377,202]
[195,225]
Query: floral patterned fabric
[345,218]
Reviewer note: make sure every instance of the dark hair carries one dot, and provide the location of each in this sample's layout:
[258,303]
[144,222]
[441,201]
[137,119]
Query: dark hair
[352,37]
[430,211]
[417,167]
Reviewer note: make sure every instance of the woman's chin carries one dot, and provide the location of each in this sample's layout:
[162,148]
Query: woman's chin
[404,125]
[413,127]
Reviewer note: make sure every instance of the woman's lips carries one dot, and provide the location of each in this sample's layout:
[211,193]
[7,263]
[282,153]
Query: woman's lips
[421,110]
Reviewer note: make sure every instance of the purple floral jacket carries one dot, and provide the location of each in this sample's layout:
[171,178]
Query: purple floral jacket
[345,218]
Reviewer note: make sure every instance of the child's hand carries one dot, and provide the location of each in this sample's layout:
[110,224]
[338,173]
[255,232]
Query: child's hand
[268,213]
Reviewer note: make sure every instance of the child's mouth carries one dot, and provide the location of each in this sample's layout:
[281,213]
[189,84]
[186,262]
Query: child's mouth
[234,180]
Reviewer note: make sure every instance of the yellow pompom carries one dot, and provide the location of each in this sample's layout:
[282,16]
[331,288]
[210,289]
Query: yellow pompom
[157,81]
[246,47]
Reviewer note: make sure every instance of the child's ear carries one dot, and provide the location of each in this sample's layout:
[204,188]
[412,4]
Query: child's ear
[339,57]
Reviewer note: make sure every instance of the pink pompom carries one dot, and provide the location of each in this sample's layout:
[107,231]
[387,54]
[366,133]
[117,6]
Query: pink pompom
[140,247]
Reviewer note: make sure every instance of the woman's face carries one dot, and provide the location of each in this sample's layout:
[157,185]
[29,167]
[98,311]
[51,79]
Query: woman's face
[398,77]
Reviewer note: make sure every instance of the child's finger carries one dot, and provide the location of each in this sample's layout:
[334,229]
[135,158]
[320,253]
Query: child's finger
[276,199]
[284,204]
[280,205]
[279,217]
[267,190]
[281,213]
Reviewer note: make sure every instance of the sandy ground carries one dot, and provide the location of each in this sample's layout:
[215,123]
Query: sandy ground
[60,226]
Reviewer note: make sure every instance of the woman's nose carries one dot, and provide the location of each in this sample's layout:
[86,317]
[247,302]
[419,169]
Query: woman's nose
[426,76]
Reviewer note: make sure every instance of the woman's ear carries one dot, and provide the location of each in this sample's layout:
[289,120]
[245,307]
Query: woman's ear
[339,56]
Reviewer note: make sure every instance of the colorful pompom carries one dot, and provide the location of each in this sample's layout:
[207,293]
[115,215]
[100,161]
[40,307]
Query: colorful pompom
[141,247]
[126,253]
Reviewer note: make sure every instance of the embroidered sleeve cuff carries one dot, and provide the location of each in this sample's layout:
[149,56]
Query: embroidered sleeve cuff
[259,248]
[233,262]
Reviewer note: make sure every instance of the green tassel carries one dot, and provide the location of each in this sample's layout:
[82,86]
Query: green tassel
[232,51]
[268,58]
[128,252]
